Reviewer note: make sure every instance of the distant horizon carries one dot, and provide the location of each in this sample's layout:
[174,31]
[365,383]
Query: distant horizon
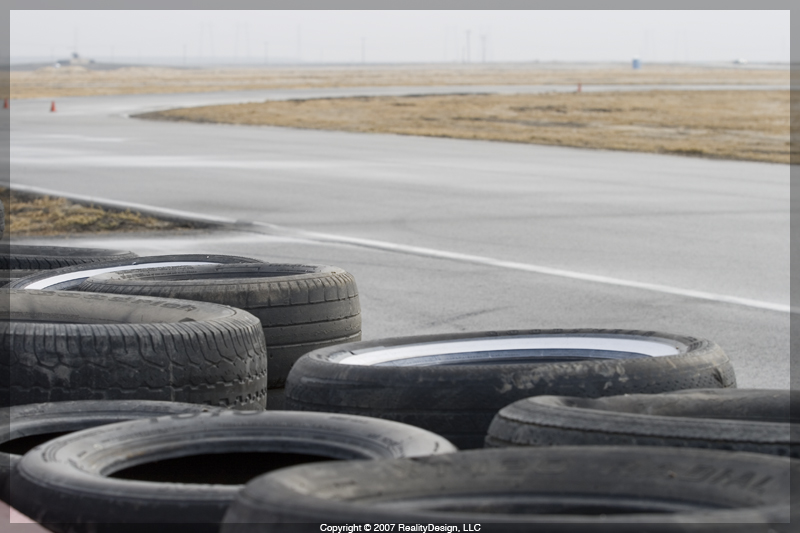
[233,62]
[404,36]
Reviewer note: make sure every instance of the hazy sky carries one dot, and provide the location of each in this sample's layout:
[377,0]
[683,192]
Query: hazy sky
[402,36]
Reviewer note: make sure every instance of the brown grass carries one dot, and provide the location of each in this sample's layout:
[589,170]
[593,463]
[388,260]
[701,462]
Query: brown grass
[744,125]
[29,215]
[50,82]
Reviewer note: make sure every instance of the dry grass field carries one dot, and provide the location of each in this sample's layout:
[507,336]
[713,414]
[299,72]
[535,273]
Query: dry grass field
[744,125]
[50,82]
[29,215]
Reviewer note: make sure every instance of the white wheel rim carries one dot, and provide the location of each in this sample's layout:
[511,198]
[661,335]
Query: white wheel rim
[518,347]
[44,284]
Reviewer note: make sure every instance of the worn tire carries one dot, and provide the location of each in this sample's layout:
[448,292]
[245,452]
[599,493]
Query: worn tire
[729,419]
[24,427]
[448,384]
[301,307]
[276,399]
[7,276]
[69,278]
[16,256]
[564,489]
[67,480]
[65,345]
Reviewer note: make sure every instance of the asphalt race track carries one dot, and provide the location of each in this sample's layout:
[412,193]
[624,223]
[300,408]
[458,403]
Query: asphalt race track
[447,235]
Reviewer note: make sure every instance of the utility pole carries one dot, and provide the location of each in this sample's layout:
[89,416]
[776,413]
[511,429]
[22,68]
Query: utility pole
[363,50]
[247,41]
[184,55]
[685,49]
[299,47]
[236,45]
[468,47]
[483,41]
[211,37]
[266,53]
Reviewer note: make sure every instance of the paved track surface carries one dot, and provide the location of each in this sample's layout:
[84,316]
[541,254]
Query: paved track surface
[449,235]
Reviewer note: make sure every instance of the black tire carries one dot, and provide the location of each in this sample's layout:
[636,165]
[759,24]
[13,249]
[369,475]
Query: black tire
[26,426]
[7,276]
[566,489]
[466,378]
[66,346]
[276,399]
[301,307]
[16,256]
[728,419]
[67,480]
[69,278]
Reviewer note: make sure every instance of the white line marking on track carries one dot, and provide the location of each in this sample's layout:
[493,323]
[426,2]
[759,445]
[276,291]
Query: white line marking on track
[526,267]
[426,252]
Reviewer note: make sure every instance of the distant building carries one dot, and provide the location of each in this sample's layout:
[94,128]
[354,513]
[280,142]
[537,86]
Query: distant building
[74,60]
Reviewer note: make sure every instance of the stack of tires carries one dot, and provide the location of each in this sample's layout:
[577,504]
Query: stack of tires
[219,330]
[584,430]
[137,338]
[135,391]
[175,464]
[300,307]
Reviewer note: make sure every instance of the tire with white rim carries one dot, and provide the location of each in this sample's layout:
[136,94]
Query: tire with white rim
[71,277]
[454,384]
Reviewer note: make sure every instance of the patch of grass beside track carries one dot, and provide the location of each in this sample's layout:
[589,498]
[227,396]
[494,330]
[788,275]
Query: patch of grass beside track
[742,125]
[29,215]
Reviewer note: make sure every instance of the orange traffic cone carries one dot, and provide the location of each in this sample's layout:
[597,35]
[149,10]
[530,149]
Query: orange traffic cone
[53,107]
[5,103]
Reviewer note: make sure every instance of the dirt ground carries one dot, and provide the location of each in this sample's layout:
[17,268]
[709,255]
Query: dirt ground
[29,215]
[743,125]
[51,82]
